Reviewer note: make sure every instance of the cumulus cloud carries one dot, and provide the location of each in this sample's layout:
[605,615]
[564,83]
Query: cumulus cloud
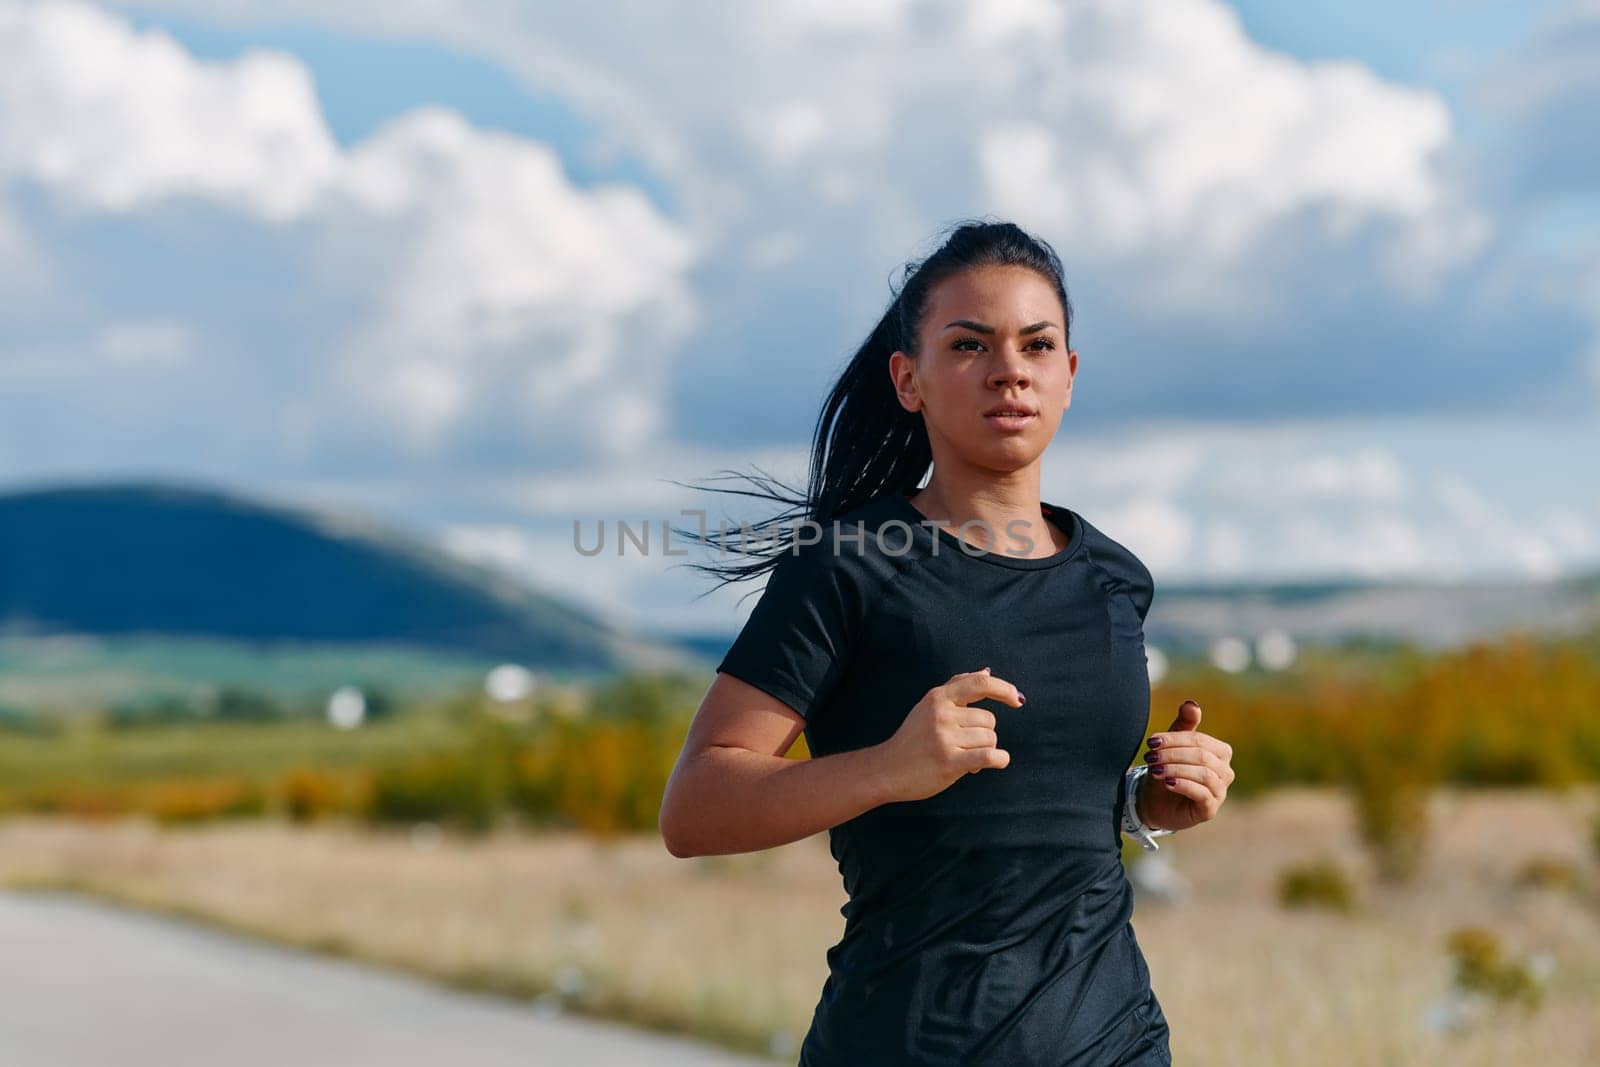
[111,120]
[1545,92]
[495,291]
[1178,136]
[438,285]
[1246,232]
[1543,162]
[1295,501]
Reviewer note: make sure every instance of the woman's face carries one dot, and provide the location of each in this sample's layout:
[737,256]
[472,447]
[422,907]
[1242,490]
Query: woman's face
[991,336]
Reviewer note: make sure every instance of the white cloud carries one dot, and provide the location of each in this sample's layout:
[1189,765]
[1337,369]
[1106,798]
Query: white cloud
[1572,533]
[1164,531]
[113,120]
[1135,460]
[1225,548]
[1153,134]
[149,343]
[1173,139]
[790,130]
[775,249]
[1286,501]
[125,352]
[502,286]
[880,17]
[451,282]
[1367,474]
[1463,502]
[1205,188]
[996,23]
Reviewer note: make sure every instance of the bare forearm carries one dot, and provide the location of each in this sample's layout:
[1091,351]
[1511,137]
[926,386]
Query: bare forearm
[726,799]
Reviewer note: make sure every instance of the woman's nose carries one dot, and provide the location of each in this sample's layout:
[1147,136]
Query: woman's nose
[1008,368]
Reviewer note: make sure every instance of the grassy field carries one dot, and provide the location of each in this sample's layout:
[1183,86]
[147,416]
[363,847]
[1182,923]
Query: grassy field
[732,947]
[67,673]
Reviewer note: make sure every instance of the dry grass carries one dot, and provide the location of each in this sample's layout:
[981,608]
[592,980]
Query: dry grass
[732,947]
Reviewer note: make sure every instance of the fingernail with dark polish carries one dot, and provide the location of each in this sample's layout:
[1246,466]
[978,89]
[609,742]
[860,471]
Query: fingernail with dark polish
[1155,742]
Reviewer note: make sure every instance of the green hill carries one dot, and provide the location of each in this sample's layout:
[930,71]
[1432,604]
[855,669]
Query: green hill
[163,560]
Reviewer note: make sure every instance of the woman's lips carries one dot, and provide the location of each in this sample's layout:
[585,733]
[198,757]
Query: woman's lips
[1010,420]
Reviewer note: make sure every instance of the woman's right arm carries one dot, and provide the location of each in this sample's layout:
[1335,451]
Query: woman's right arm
[734,790]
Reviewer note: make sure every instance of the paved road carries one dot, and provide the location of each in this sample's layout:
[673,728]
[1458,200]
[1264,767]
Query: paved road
[87,984]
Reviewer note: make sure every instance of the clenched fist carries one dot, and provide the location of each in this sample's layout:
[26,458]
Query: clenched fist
[942,738]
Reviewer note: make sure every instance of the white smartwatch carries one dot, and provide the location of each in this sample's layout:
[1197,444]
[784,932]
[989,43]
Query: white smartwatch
[1132,825]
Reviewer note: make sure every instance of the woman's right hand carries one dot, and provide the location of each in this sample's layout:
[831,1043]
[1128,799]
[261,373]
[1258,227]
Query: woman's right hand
[942,738]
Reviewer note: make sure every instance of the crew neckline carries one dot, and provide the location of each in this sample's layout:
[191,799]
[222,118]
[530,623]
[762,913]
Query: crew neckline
[1053,513]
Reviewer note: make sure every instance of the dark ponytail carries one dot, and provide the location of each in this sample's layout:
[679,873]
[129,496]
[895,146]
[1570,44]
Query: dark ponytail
[865,444]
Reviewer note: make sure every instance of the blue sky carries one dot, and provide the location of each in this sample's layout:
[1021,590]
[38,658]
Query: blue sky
[1420,42]
[1336,268]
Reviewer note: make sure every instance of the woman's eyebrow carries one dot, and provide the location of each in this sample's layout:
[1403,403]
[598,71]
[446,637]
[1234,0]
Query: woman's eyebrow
[981,328]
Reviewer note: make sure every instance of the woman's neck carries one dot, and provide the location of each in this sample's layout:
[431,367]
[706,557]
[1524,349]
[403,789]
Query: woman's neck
[995,507]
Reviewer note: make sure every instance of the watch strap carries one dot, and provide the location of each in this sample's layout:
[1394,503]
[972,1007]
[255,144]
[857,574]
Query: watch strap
[1132,825]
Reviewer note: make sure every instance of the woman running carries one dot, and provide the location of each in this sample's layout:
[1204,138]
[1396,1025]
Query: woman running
[967,663]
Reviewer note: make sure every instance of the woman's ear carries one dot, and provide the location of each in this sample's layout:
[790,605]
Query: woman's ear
[903,373]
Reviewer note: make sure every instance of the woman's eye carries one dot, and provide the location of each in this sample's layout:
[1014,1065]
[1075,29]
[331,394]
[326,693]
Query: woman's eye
[1045,341]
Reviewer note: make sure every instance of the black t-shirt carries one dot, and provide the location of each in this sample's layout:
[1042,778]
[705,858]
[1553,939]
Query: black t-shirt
[988,923]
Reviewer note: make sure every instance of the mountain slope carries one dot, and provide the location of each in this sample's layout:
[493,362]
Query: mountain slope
[162,558]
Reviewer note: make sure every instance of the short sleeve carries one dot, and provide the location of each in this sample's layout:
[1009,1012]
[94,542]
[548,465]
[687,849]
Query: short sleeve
[800,635]
[1125,573]
[1141,587]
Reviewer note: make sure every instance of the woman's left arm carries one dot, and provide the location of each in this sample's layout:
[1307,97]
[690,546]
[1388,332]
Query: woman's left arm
[1189,774]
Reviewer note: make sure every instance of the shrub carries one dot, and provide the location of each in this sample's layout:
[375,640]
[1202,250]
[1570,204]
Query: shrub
[602,776]
[446,787]
[198,801]
[306,794]
[1514,711]
[1391,802]
[1481,967]
[1319,883]
[80,801]
[1548,872]
[236,704]
[160,710]
[379,703]
[20,721]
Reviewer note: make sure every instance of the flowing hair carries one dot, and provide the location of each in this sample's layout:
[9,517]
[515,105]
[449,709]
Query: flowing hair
[865,444]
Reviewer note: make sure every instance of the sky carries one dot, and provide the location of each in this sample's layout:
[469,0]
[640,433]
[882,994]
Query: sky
[488,270]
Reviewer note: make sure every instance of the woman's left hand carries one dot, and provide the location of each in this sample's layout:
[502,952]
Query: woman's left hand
[1189,774]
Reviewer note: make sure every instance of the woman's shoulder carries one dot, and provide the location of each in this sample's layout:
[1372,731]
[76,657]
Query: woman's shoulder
[1109,554]
[858,546]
